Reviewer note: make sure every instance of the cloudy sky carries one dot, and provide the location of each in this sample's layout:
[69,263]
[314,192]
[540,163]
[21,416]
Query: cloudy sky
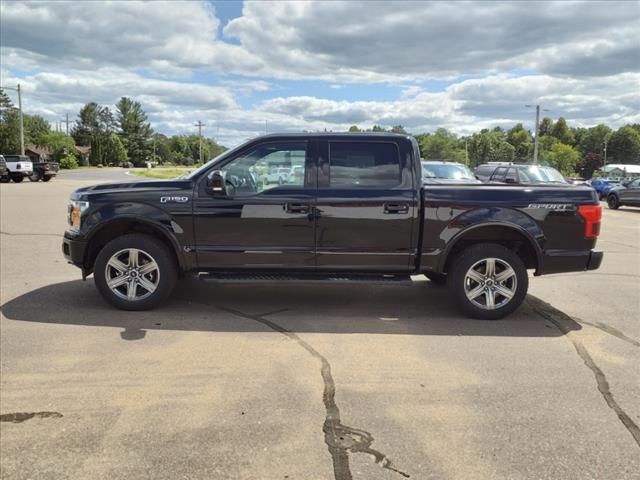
[241,67]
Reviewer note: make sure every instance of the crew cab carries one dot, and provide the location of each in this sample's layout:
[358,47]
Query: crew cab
[19,167]
[44,170]
[359,213]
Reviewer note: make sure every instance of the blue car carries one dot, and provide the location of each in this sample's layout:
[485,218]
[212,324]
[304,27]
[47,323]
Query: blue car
[603,186]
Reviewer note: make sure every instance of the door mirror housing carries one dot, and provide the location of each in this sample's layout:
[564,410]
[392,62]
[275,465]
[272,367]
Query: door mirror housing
[216,183]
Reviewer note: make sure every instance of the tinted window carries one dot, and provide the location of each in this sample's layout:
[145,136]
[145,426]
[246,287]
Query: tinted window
[360,164]
[512,174]
[498,176]
[484,171]
[268,166]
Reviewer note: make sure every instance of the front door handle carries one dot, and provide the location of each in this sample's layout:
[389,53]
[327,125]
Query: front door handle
[297,207]
[391,208]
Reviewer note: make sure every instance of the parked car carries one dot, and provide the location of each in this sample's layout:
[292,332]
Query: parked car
[4,171]
[279,175]
[437,171]
[361,214]
[519,174]
[19,167]
[603,186]
[627,193]
[44,170]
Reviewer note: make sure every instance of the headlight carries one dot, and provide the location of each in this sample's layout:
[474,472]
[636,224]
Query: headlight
[76,207]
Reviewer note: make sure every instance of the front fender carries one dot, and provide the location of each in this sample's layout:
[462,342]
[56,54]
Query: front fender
[102,217]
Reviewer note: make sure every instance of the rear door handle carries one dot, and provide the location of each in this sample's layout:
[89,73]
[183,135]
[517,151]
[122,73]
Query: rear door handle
[396,208]
[297,207]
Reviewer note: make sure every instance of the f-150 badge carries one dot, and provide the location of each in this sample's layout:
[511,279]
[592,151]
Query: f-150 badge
[174,199]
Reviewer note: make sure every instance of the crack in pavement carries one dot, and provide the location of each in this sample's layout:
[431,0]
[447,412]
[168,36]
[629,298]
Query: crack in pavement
[20,417]
[559,319]
[340,439]
[611,331]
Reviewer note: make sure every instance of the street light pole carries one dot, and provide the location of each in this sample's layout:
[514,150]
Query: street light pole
[537,131]
[200,125]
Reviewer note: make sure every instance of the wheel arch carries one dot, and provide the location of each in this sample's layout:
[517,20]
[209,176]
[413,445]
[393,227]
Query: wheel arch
[509,235]
[122,225]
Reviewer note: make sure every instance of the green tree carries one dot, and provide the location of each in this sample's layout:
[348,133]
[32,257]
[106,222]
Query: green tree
[114,151]
[354,128]
[562,132]
[9,125]
[135,130]
[59,144]
[36,129]
[490,146]
[545,127]
[624,146]
[378,128]
[563,158]
[522,142]
[93,127]
[441,145]
[398,129]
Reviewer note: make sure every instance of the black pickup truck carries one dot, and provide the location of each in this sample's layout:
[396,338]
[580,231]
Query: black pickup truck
[355,211]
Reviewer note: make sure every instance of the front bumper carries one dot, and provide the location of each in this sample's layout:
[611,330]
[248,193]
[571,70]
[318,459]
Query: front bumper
[559,261]
[73,248]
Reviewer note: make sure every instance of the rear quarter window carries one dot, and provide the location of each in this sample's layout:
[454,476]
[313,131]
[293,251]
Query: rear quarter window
[364,164]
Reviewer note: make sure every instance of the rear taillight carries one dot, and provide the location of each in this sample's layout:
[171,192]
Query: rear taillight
[46,166]
[592,216]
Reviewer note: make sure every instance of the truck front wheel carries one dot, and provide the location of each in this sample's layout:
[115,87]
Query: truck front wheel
[135,272]
[17,178]
[488,281]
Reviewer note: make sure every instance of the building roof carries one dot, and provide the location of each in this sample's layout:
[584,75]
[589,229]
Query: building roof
[629,168]
[38,150]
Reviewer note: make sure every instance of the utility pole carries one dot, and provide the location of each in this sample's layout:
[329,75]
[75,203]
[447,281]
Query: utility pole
[200,125]
[17,89]
[606,140]
[66,121]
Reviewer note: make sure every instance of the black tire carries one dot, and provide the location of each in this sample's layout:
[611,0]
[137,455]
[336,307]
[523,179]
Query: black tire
[4,179]
[46,178]
[613,202]
[437,278]
[457,282]
[164,258]
[17,178]
[34,177]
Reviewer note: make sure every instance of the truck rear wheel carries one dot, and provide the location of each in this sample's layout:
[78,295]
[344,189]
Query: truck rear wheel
[46,178]
[135,272]
[488,281]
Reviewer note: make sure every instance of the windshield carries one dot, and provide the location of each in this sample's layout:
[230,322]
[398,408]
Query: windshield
[452,170]
[537,174]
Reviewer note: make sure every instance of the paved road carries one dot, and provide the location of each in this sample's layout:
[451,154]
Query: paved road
[300,382]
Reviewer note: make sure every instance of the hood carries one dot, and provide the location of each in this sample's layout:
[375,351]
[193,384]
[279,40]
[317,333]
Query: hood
[132,187]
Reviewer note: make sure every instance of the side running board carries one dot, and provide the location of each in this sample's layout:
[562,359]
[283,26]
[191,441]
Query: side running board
[303,278]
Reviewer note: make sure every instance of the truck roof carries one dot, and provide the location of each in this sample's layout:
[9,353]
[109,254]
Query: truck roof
[339,135]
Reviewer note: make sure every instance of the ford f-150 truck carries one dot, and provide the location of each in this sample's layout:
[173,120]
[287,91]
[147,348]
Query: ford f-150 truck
[358,213]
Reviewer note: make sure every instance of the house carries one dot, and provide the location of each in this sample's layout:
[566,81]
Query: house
[84,151]
[619,170]
[37,154]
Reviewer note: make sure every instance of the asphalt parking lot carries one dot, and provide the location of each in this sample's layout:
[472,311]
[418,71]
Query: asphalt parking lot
[311,382]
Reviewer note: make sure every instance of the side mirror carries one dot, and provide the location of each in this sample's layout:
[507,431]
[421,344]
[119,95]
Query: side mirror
[216,182]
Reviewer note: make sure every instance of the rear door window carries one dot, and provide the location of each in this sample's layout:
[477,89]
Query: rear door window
[363,164]
[511,176]
[498,175]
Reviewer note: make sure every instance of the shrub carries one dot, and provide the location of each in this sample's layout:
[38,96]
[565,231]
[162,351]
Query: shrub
[69,162]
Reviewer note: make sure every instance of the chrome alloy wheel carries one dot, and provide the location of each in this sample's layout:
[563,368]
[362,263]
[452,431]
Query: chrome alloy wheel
[132,274]
[490,283]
